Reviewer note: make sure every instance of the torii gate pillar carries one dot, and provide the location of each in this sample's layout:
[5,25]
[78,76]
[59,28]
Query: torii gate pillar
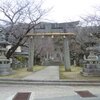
[66,55]
[31,54]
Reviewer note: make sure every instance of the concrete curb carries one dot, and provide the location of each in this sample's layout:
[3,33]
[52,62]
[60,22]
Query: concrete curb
[50,82]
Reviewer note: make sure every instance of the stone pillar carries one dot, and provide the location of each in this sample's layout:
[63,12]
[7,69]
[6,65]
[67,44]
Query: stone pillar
[66,55]
[47,55]
[31,54]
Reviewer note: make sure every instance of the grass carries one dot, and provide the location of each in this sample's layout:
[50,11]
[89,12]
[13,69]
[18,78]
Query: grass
[75,74]
[22,72]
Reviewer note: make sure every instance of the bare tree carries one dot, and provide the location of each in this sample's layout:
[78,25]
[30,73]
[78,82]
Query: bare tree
[88,34]
[92,22]
[19,18]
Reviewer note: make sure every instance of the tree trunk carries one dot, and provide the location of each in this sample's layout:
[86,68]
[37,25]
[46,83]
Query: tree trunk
[12,49]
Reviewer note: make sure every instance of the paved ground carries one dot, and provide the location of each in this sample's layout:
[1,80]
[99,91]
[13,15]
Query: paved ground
[48,92]
[49,73]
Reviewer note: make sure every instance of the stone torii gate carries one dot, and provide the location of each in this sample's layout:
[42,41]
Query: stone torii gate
[66,48]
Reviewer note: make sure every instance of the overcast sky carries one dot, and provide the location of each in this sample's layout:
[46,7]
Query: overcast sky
[69,10]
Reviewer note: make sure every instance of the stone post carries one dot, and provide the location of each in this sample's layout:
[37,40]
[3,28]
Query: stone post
[66,55]
[31,54]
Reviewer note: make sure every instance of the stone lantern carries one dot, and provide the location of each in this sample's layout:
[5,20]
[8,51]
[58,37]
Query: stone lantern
[4,62]
[92,66]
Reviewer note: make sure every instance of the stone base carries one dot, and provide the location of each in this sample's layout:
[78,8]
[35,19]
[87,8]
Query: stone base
[90,74]
[5,69]
[68,70]
[30,69]
[6,72]
[91,70]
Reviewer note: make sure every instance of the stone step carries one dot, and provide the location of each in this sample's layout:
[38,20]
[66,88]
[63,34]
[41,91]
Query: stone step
[43,82]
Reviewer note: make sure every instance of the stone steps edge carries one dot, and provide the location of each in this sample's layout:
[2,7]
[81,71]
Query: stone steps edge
[24,80]
[51,83]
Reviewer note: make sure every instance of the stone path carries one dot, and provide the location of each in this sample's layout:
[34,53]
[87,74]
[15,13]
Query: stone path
[49,73]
